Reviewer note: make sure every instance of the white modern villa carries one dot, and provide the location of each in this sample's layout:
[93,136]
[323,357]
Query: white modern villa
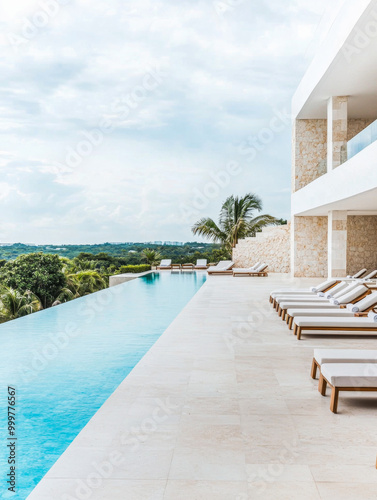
[333,230]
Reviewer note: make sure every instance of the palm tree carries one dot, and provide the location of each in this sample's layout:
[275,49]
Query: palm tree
[151,256]
[82,283]
[236,221]
[14,304]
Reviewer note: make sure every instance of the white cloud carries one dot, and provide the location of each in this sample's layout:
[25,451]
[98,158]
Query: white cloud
[225,76]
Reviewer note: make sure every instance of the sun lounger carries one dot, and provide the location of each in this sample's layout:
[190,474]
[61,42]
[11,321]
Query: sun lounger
[359,326]
[356,377]
[325,356]
[350,294]
[187,266]
[300,297]
[261,270]
[370,276]
[165,264]
[322,287]
[358,274]
[357,307]
[223,267]
[201,264]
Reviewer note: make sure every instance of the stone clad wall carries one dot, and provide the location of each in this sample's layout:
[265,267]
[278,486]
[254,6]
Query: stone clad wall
[272,246]
[361,243]
[310,246]
[355,126]
[309,150]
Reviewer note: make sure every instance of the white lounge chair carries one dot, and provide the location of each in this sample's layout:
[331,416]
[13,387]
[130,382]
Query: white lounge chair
[353,292]
[359,326]
[325,356]
[261,270]
[223,267]
[358,274]
[350,306]
[357,377]
[322,287]
[332,292]
[370,276]
[201,264]
[165,264]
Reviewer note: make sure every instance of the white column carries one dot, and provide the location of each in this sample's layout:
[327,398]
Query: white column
[337,128]
[337,243]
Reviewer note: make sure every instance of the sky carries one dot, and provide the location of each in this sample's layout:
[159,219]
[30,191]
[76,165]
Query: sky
[129,121]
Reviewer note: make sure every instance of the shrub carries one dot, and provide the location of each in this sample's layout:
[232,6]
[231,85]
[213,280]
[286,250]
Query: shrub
[134,269]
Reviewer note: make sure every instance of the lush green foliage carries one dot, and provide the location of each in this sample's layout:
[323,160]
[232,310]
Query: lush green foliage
[134,269]
[151,256]
[236,221]
[38,273]
[14,304]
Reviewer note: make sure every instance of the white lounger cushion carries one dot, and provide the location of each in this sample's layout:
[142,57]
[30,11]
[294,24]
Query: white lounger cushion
[349,296]
[345,356]
[308,305]
[224,265]
[371,275]
[319,288]
[201,263]
[165,262]
[367,302]
[300,298]
[334,312]
[358,274]
[335,293]
[350,374]
[335,322]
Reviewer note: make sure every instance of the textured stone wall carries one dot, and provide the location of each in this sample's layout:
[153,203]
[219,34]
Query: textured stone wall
[355,126]
[271,246]
[361,243]
[310,246]
[309,151]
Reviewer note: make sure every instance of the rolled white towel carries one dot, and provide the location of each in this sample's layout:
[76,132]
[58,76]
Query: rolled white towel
[313,289]
[349,277]
[353,308]
[320,294]
[328,295]
[373,316]
[334,302]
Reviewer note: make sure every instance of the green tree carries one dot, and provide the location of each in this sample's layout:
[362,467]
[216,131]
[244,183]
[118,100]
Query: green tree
[38,273]
[83,283]
[14,304]
[151,256]
[236,221]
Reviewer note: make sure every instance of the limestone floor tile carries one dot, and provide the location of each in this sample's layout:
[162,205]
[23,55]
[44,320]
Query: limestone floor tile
[269,430]
[338,471]
[205,436]
[294,490]
[211,406]
[210,464]
[260,406]
[279,472]
[206,490]
[102,489]
[125,463]
[291,452]
[346,491]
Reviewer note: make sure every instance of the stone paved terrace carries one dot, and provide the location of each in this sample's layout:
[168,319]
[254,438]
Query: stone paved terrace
[227,411]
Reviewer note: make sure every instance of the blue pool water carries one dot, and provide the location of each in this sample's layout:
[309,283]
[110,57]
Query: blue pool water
[66,361]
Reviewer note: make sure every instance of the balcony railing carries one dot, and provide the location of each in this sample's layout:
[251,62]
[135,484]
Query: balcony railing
[362,140]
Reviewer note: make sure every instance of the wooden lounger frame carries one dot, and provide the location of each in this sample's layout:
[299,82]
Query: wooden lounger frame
[228,271]
[298,330]
[273,301]
[335,391]
[158,268]
[187,266]
[249,273]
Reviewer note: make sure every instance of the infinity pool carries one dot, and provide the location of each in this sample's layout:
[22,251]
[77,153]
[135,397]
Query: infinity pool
[66,361]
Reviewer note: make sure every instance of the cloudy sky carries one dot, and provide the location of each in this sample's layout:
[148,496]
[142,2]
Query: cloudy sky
[129,120]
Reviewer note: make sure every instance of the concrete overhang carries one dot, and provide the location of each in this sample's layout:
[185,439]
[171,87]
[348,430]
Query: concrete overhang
[345,65]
